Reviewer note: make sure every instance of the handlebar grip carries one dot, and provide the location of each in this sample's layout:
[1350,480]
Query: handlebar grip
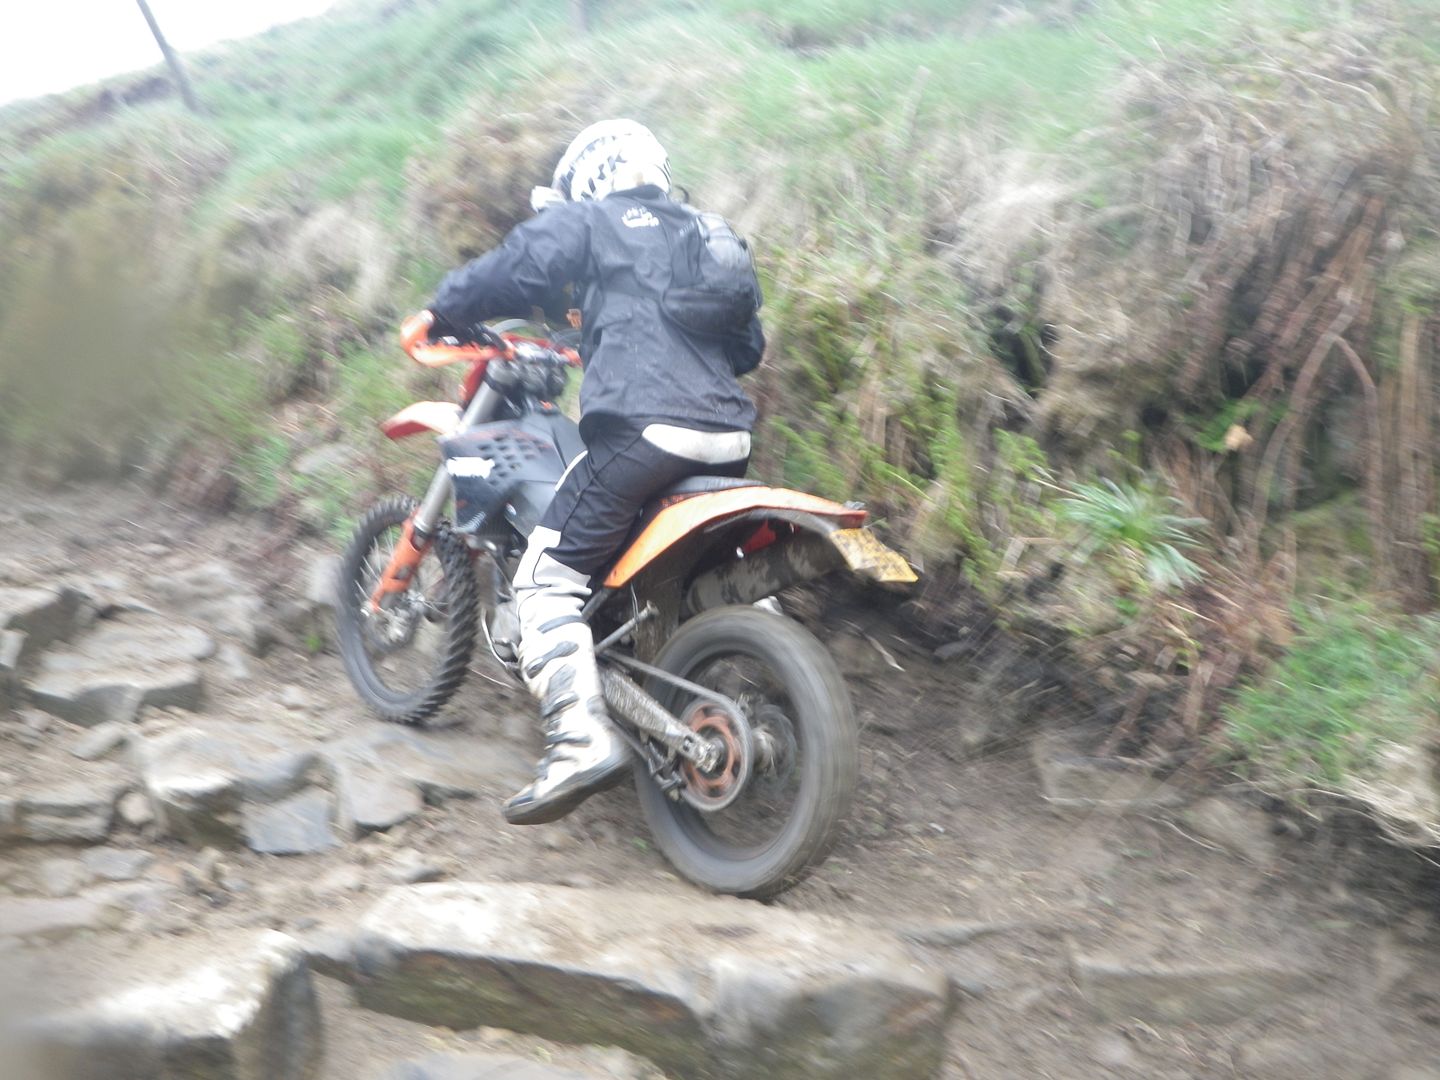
[415,331]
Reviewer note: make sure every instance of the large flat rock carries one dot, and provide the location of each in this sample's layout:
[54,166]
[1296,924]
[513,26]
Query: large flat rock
[247,1011]
[123,665]
[704,987]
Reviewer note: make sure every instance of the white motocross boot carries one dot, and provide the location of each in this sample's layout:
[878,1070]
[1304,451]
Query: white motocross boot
[584,753]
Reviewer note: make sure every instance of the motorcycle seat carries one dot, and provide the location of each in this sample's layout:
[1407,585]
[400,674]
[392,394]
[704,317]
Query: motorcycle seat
[700,485]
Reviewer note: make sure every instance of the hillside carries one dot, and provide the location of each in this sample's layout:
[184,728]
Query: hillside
[1010,251]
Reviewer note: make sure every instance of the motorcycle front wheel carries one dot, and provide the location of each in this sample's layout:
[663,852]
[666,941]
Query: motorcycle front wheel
[407,658]
[803,743]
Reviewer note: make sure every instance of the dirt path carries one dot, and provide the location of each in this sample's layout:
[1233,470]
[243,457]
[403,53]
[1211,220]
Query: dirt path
[1066,932]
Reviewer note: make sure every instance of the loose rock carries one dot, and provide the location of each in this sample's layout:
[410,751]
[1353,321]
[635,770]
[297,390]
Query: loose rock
[369,801]
[385,775]
[134,809]
[410,867]
[757,992]
[100,740]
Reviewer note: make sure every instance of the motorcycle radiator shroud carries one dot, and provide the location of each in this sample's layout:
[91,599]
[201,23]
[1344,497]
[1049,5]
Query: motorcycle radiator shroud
[509,469]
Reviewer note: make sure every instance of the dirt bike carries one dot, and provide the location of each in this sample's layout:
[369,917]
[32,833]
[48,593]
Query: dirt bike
[740,722]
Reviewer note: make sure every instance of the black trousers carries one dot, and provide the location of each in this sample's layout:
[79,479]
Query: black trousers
[595,507]
[598,500]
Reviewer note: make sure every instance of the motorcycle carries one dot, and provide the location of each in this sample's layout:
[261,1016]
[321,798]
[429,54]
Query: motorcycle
[741,726]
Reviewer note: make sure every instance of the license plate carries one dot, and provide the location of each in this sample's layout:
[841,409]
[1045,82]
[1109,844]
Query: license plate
[866,555]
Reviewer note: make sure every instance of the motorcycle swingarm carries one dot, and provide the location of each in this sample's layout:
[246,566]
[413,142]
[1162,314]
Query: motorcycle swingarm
[651,719]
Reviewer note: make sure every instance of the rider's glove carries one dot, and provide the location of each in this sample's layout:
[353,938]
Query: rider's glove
[440,328]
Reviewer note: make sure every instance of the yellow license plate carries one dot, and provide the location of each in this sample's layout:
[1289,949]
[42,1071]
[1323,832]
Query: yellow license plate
[866,555]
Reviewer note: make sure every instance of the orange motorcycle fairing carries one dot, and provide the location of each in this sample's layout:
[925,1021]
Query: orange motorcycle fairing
[441,417]
[679,519]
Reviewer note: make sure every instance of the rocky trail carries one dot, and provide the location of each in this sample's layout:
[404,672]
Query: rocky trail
[214,864]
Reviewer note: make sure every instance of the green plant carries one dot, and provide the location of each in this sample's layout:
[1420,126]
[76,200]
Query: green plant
[1136,530]
[1354,678]
[260,471]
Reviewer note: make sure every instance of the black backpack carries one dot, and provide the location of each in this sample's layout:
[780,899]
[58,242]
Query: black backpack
[713,289]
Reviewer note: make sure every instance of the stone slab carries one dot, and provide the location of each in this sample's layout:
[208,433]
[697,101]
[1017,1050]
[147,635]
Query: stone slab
[248,1014]
[121,667]
[704,987]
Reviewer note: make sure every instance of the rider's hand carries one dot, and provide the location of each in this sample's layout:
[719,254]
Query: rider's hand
[439,328]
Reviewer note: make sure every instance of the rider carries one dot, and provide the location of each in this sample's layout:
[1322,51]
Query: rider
[658,403]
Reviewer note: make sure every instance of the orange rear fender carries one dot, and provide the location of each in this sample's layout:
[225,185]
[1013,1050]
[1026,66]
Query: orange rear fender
[694,512]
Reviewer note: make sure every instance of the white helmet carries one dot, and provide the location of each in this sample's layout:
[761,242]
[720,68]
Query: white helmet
[613,155]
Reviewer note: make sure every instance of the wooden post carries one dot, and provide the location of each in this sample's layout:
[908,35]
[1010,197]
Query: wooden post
[172,58]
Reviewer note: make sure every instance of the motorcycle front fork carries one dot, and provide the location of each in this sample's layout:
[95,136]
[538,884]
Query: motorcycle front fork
[419,531]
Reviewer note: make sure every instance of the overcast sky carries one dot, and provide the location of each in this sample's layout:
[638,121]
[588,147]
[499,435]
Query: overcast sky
[51,45]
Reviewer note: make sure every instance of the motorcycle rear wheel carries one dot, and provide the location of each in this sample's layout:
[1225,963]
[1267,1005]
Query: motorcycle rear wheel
[799,710]
[405,662]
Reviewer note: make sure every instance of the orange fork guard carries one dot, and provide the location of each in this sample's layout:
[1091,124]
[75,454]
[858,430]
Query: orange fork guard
[682,518]
[401,568]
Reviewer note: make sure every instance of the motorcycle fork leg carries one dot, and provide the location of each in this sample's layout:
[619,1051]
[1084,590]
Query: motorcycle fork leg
[415,541]
[401,568]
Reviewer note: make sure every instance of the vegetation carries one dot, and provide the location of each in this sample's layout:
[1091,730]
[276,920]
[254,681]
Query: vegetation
[1128,311]
[1354,680]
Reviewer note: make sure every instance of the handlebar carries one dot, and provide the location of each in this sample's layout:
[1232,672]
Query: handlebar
[415,340]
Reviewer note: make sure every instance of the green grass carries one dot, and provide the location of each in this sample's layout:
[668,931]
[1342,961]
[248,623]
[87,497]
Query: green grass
[1136,532]
[1354,678]
[848,119]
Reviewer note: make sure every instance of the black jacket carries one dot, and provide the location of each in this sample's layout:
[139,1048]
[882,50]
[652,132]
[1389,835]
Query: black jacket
[638,364]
